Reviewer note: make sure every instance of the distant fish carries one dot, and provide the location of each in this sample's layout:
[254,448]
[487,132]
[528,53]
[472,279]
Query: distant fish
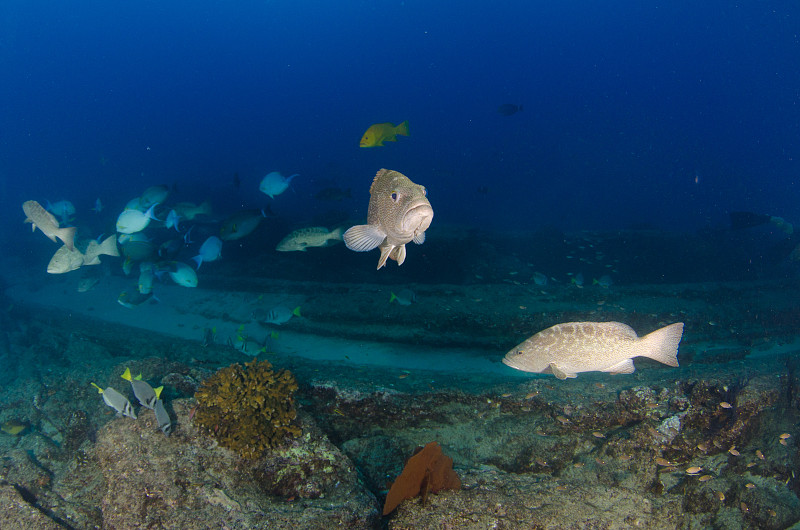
[98,206]
[274,184]
[398,212]
[188,211]
[568,349]
[146,394]
[87,284]
[182,274]
[14,427]
[403,297]
[163,419]
[210,250]
[240,224]
[333,193]
[132,221]
[172,220]
[133,299]
[577,280]
[741,220]
[314,236]
[383,132]
[539,279]
[281,314]
[44,221]
[64,209]
[146,277]
[508,109]
[604,281]
[116,401]
[153,195]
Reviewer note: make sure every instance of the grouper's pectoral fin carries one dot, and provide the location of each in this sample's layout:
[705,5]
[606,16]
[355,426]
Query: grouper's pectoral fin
[362,238]
[624,367]
[560,373]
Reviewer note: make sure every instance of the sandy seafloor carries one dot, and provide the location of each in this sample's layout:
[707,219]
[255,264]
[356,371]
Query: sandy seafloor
[379,379]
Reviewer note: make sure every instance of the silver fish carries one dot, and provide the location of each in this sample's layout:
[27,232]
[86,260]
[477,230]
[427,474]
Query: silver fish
[118,402]
[164,422]
[398,212]
[573,347]
[44,221]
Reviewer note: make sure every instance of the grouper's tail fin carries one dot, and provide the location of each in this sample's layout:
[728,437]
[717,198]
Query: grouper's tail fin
[662,344]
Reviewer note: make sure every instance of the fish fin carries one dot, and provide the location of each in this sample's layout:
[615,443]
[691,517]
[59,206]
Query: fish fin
[624,367]
[67,235]
[362,238]
[99,390]
[296,311]
[401,129]
[561,374]
[138,377]
[127,374]
[385,252]
[151,214]
[661,345]
[199,260]
[158,391]
[109,246]
[392,298]
[419,238]
[398,254]
[274,335]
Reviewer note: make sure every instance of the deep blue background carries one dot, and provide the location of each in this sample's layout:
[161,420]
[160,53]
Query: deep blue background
[667,113]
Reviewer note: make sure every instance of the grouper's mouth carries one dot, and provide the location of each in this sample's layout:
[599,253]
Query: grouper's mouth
[418,218]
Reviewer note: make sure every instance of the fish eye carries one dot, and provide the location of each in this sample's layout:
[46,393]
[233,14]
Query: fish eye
[394,196]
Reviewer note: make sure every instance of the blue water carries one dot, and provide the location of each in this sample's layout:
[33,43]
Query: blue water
[669,114]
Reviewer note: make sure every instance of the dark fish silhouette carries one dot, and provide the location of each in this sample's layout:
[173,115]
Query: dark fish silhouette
[507,109]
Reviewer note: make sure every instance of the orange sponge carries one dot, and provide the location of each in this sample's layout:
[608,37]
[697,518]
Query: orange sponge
[429,470]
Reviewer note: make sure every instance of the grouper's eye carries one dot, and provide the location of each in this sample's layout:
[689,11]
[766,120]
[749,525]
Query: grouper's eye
[394,196]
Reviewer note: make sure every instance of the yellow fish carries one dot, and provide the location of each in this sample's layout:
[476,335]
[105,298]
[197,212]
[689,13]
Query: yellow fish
[13,427]
[383,132]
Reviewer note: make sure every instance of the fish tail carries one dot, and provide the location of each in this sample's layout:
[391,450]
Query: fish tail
[662,344]
[392,298]
[296,311]
[67,235]
[127,374]
[158,391]
[402,129]
[99,390]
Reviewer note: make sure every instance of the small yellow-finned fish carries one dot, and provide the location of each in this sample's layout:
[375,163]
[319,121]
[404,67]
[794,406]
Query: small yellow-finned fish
[383,132]
[13,427]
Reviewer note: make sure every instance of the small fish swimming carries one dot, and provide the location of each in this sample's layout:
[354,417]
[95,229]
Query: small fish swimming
[44,221]
[539,279]
[188,210]
[378,133]
[182,274]
[131,300]
[64,209]
[132,221]
[146,277]
[164,422]
[98,206]
[241,224]
[403,297]
[509,109]
[398,212]
[172,220]
[116,401]
[14,427]
[87,284]
[274,183]
[210,250]
[153,195]
[281,314]
[304,238]
[146,394]
[604,281]
[573,347]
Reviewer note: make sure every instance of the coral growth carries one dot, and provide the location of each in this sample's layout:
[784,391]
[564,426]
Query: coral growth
[248,409]
[429,470]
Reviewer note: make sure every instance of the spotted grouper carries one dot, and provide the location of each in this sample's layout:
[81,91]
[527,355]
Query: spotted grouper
[573,347]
